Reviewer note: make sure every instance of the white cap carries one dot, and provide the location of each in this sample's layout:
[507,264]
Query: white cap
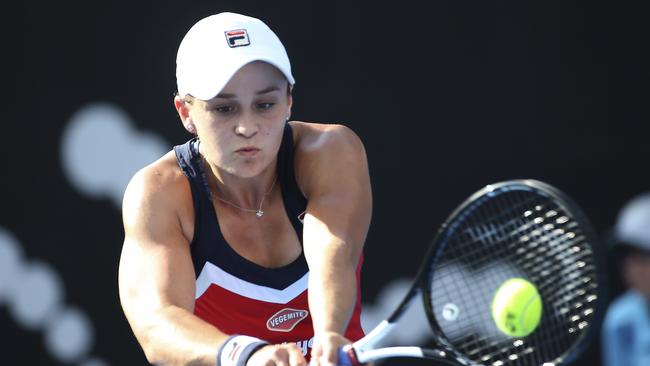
[633,224]
[216,47]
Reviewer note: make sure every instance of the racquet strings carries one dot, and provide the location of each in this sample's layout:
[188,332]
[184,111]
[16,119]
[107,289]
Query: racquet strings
[506,234]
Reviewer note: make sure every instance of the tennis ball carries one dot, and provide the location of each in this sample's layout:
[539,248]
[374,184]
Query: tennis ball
[517,307]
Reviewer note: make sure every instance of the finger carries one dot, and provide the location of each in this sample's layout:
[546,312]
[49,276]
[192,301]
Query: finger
[293,354]
[296,358]
[317,350]
[329,355]
[316,353]
[281,356]
[314,361]
[326,361]
[281,362]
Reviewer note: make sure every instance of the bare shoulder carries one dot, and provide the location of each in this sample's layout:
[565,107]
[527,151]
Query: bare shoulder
[159,188]
[155,180]
[326,156]
[320,137]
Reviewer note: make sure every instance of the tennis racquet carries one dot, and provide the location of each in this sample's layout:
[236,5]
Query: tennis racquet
[521,228]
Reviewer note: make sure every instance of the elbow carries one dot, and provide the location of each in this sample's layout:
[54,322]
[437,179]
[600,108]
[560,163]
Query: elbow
[151,357]
[151,352]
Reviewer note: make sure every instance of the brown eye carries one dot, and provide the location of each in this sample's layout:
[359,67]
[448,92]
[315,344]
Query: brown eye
[224,109]
[265,106]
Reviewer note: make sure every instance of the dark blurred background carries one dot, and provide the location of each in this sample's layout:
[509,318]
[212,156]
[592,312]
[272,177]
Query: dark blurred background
[448,96]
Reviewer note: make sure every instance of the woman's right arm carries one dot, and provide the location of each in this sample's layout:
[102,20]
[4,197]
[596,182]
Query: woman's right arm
[156,277]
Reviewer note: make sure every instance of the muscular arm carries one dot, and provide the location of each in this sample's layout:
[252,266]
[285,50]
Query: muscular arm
[156,278]
[156,281]
[333,173]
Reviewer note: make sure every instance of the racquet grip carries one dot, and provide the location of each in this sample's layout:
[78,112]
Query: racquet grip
[348,357]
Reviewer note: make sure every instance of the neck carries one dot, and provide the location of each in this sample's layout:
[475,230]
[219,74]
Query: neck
[243,192]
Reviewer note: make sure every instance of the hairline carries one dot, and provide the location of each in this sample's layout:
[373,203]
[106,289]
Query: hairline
[189,98]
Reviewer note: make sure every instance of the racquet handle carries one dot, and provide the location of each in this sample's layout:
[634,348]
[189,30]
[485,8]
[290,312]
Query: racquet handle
[348,357]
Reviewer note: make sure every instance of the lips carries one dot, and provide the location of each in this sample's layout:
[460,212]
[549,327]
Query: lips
[249,150]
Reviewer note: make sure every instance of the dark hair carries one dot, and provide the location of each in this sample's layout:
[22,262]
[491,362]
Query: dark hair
[189,101]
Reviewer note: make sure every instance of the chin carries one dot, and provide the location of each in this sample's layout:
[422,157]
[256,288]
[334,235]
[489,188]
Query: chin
[246,171]
[245,174]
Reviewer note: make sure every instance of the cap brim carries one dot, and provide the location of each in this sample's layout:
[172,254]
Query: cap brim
[213,85]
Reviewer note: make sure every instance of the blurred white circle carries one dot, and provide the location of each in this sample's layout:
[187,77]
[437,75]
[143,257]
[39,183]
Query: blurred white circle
[10,263]
[69,335]
[101,150]
[36,294]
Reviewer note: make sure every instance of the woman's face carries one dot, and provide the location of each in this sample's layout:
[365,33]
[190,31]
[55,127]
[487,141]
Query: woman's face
[241,128]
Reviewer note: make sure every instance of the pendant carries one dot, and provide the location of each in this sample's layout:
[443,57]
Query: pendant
[259,213]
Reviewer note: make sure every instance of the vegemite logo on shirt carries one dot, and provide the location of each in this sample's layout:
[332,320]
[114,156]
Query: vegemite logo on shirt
[237,38]
[286,319]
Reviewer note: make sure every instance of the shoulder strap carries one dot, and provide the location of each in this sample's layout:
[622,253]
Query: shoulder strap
[294,201]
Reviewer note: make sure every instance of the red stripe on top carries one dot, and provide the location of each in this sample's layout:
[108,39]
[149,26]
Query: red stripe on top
[235,314]
[235,33]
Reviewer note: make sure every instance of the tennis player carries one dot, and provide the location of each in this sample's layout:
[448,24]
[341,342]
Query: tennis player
[243,246]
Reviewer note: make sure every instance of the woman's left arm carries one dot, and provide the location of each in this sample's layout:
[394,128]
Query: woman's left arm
[332,170]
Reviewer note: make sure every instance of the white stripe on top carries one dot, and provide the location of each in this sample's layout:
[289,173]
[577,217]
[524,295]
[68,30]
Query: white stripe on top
[211,274]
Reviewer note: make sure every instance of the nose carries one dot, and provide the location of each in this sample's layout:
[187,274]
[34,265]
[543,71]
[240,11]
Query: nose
[246,128]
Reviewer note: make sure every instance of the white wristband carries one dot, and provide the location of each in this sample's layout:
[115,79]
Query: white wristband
[238,349]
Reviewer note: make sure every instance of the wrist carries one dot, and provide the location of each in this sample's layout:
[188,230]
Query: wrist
[326,333]
[237,349]
[331,326]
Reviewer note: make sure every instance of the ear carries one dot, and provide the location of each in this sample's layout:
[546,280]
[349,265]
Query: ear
[183,110]
[289,104]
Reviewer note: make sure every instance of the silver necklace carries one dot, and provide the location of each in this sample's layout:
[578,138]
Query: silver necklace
[259,212]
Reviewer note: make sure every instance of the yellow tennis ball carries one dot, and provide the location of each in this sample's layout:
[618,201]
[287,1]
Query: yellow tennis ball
[517,307]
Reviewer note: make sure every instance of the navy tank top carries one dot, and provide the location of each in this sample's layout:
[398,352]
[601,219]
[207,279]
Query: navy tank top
[241,297]
[209,244]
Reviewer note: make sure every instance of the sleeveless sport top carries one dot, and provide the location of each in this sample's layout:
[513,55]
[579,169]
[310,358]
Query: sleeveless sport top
[241,297]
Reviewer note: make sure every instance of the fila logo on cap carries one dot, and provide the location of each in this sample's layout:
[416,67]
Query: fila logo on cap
[237,38]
